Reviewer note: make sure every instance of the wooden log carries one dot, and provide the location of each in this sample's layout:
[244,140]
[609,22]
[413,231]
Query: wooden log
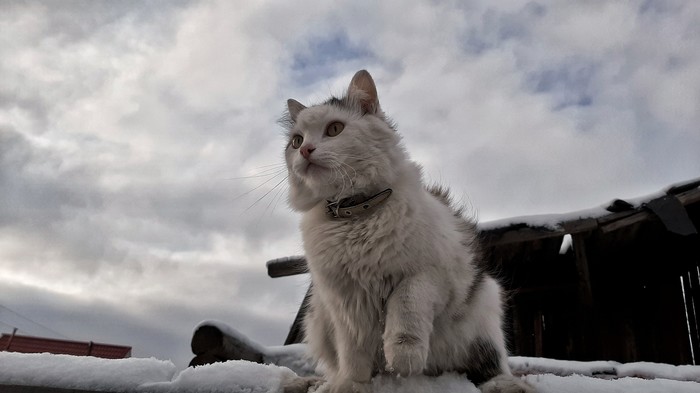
[296,332]
[287,266]
[211,345]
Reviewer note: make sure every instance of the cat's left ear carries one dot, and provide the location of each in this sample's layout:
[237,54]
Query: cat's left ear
[362,88]
[294,108]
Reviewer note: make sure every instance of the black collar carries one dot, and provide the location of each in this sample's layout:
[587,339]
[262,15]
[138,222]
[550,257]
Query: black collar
[350,207]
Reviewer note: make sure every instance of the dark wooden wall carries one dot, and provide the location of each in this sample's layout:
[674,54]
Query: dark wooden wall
[635,300]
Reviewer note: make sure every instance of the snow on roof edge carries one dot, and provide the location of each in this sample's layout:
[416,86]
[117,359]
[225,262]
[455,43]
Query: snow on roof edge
[553,221]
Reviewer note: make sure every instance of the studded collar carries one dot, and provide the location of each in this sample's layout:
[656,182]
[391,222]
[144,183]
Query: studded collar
[350,207]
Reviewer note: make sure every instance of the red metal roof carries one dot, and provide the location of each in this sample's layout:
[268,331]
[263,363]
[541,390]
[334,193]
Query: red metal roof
[28,344]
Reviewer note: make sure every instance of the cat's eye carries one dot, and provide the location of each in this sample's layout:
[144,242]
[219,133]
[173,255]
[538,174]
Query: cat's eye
[334,128]
[297,140]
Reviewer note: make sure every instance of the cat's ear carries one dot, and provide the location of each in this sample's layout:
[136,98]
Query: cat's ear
[363,90]
[294,108]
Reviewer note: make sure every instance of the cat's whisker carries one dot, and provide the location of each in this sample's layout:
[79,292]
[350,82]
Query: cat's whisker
[267,193]
[278,196]
[273,177]
[257,176]
[338,168]
[278,164]
[353,170]
[267,170]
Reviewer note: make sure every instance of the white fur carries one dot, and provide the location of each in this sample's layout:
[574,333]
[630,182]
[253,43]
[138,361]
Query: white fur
[390,287]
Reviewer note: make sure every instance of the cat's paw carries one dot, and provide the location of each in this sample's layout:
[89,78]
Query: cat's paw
[405,359]
[301,384]
[342,387]
[506,384]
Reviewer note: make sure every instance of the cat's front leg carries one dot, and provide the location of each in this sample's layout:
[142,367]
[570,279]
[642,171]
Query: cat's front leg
[355,368]
[409,323]
[354,363]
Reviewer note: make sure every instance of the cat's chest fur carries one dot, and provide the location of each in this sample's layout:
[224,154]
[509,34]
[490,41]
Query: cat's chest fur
[362,247]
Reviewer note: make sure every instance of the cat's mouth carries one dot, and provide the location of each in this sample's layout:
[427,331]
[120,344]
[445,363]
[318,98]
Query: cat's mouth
[311,168]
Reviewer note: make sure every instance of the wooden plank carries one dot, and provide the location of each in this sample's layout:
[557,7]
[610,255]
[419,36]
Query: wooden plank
[520,235]
[210,344]
[691,284]
[689,197]
[538,333]
[616,221]
[585,293]
[630,219]
[296,331]
[556,288]
[287,266]
[680,188]
[580,225]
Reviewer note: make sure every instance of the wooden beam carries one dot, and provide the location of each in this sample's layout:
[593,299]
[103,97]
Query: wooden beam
[287,266]
[630,219]
[681,188]
[520,235]
[580,225]
[585,292]
[296,331]
[211,345]
[689,197]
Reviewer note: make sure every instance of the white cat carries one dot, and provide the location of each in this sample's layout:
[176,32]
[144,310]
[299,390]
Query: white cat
[396,281]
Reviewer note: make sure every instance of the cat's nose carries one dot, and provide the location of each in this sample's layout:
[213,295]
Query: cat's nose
[306,150]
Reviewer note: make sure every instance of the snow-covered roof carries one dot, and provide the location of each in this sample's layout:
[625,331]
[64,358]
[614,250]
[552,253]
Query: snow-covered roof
[608,214]
[159,376]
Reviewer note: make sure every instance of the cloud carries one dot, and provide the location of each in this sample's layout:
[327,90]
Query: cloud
[142,177]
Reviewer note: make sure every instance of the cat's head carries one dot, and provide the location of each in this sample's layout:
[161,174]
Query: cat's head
[341,148]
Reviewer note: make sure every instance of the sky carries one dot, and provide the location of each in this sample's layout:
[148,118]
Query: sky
[142,179]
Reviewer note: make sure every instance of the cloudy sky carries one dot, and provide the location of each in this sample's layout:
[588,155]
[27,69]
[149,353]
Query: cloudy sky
[141,180]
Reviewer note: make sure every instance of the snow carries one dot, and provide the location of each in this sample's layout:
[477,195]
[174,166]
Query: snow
[158,376]
[525,365]
[553,221]
[548,383]
[81,372]
[452,383]
[657,370]
[236,376]
[545,221]
[292,356]
[290,363]
[603,369]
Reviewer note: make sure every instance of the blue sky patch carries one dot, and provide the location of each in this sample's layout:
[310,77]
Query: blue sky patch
[321,57]
[568,83]
[498,27]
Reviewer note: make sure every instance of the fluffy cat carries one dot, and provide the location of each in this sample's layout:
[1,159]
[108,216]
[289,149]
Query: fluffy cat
[396,282]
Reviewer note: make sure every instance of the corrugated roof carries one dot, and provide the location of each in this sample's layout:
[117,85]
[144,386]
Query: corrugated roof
[29,344]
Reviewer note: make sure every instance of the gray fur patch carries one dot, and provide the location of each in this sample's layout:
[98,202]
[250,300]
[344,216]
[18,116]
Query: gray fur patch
[478,281]
[479,278]
[407,339]
[484,361]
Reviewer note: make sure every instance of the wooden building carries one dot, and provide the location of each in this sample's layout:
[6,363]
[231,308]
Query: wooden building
[30,344]
[619,282]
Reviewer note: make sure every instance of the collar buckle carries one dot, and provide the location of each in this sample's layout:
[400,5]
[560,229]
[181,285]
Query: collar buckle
[335,209]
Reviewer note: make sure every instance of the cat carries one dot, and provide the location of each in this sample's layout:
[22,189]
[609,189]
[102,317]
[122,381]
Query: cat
[397,283]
